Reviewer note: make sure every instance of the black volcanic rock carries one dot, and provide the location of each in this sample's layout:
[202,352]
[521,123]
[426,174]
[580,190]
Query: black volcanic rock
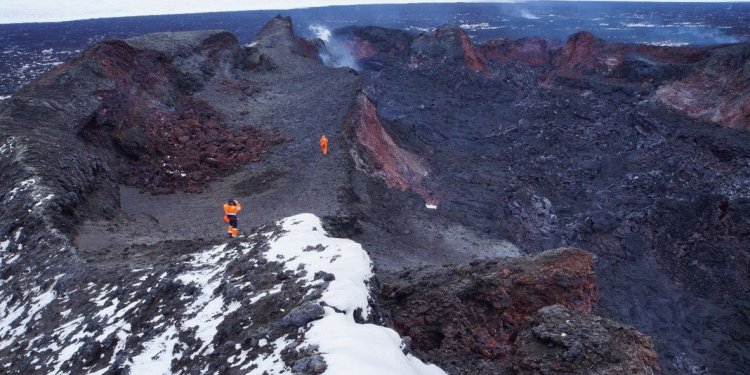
[528,315]
[521,157]
[474,312]
[557,340]
[279,34]
[575,153]
[448,44]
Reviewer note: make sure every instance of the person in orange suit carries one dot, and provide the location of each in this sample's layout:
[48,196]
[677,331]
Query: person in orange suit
[231,208]
[324,144]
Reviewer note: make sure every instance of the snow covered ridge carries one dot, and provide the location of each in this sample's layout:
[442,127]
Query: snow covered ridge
[284,300]
[345,345]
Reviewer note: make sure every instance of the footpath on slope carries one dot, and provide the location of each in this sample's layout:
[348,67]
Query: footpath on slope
[300,99]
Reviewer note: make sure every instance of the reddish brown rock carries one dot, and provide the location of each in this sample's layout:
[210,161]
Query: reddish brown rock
[361,49]
[162,132]
[473,60]
[447,44]
[709,83]
[718,92]
[579,52]
[476,311]
[376,153]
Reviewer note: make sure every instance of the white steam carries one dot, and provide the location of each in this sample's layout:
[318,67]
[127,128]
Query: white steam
[321,32]
[337,53]
[523,13]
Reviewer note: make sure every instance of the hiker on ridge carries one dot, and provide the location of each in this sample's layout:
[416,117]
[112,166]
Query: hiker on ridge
[324,144]
[231,208]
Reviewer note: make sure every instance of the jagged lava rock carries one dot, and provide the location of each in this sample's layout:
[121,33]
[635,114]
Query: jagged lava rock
[557,340]
[719,91]
[580,53]
[447,44]
[473,312]
[143,117]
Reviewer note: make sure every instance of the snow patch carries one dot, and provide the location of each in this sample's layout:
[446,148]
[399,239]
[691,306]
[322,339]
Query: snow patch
[41,201]
[369,348]
[271,364]
[343,343]
[22,186]
[276,288]
[420,29]
[157,354]
[9,335]
[667,43]
[640,25]
[478,26]
[343,258]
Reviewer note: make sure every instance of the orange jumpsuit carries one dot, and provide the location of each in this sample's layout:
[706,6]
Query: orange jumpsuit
[230,217]
[324,144]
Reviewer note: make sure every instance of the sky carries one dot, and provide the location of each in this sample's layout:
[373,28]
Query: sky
[22,11]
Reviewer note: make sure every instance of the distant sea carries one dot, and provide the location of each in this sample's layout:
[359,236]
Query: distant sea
[29,50]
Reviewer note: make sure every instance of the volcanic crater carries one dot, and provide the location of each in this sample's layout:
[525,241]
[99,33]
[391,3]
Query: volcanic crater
[455,165]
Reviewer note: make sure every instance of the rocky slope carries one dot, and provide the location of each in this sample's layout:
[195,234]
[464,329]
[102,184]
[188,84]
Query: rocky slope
[574,145]
[512,152]
[580,345]
[456,315]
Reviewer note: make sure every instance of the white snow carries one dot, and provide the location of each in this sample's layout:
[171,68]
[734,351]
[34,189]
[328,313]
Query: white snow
[6,258]
[22,186]
[208,311]
[41,201]
[38,302]
[421,29]
[67,353]
[431,206]
[344,344]
[3,97]
[478,26]
[276,288]
[156,358]
[345,259]
[67,329]
[7,147]
[667,43]
[271,364]
[369,348]
[640,24]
